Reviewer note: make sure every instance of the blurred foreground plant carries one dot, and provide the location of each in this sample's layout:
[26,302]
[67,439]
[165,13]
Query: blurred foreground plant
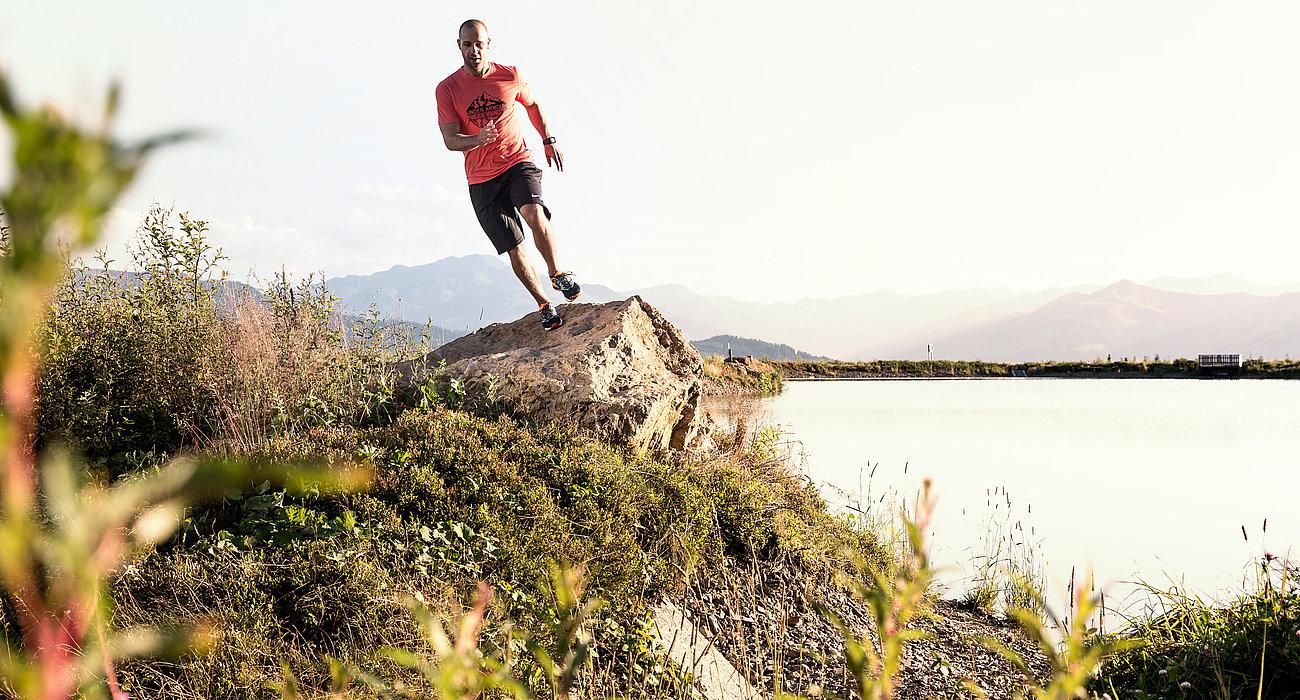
[1076,658]
[895,600]
[462,668]
[59,537]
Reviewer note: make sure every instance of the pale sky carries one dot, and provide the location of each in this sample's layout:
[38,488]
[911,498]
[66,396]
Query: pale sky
[761,150]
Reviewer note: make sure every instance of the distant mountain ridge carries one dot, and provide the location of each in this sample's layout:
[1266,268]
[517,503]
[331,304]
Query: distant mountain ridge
[461,293]
[740,347]
[1126,319]
[468,292]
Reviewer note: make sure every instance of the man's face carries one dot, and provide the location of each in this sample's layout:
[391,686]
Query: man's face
[473,43]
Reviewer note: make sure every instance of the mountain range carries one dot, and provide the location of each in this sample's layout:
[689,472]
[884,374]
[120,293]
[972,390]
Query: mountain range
[1168,316]
[1125,319]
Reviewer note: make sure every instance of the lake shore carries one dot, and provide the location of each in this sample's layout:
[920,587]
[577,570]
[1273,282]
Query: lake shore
[794,370]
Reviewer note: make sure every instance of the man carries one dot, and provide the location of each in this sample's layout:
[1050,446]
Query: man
[477,115]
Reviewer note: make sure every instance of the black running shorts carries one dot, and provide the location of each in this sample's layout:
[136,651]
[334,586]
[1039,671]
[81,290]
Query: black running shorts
[497,202]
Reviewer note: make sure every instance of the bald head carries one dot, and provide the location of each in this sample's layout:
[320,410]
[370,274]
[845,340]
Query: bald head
[473,42]
[473,27]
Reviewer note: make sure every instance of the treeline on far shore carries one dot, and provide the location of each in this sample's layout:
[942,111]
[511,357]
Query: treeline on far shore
[1181,368]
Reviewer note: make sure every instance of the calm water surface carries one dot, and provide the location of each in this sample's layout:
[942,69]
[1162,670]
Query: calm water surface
[1139,478]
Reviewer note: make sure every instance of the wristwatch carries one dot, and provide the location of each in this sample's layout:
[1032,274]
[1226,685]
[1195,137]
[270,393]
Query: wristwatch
[548,140]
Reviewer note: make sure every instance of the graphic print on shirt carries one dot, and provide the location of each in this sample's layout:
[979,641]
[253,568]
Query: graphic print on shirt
[484,109]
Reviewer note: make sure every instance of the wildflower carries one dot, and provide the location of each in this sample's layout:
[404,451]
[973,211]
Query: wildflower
[1163,672]
[1184,686]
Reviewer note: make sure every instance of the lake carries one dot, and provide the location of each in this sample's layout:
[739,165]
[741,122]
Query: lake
[1150,479]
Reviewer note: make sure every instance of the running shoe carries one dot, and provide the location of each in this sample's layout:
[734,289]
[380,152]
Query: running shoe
[550,319]
[563,281]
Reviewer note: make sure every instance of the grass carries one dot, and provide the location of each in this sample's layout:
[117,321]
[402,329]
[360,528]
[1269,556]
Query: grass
[1008,573]
[757,377]
[457,499]
[1246,647]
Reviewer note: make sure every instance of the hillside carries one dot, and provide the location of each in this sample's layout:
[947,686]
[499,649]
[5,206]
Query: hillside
[470,481]
[740,347]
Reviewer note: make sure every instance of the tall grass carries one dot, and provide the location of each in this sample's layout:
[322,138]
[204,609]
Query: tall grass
[169,354]
[1245,647]
[1008,572]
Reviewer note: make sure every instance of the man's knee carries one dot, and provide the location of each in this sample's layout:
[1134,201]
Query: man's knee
[533,215]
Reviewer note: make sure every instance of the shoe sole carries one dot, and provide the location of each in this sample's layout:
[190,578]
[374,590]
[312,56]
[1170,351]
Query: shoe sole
[551,328]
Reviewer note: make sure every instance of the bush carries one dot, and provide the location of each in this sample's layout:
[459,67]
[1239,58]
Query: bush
[128,358]
[170,354]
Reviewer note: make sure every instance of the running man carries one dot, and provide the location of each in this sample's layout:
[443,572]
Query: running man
[476,115]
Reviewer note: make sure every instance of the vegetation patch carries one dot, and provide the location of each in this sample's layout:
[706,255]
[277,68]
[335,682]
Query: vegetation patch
[741,376]
[1187,646]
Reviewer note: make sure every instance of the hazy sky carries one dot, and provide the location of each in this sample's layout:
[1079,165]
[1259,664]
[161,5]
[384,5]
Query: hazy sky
[760,150]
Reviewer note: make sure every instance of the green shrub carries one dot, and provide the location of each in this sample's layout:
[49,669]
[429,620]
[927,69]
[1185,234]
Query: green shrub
[128,360]
[170,354]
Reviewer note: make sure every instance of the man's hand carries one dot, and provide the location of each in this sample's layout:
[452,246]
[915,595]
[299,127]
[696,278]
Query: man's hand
[554,157]
[487,134]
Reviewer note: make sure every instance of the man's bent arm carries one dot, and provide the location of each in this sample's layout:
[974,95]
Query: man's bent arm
[456,141]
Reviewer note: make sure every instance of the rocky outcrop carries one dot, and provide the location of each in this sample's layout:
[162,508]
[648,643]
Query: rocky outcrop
[620,370]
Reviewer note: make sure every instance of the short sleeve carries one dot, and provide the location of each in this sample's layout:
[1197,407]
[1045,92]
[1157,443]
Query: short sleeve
[523,93]
[446,105]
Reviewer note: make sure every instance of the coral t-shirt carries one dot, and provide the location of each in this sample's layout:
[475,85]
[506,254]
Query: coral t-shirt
[471,102]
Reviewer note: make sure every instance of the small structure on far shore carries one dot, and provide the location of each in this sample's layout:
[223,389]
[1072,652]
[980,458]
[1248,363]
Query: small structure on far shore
[1227,365]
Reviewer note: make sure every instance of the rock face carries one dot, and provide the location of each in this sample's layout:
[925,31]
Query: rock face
[619,369]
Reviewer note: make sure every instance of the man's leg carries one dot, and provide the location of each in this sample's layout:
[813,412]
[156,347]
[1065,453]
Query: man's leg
[524,271]
[537,220]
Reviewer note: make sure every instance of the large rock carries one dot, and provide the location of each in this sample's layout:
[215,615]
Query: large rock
[619,369]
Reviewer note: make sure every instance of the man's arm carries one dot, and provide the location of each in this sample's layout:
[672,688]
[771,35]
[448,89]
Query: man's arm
[553,155]
[456,141]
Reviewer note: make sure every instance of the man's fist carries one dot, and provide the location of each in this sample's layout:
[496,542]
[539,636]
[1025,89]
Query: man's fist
[488,133]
